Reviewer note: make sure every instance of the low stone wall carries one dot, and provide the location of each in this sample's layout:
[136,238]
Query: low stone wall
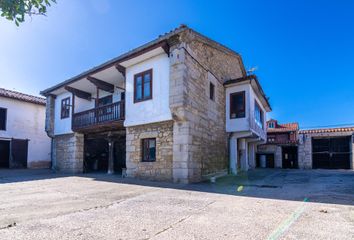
[69,153]
[161,169]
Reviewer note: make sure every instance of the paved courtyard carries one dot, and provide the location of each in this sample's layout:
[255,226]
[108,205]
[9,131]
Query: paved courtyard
[262,204]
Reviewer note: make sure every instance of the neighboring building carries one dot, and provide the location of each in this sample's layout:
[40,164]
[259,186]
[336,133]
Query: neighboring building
[169,110]
[330,148]
[281,149]
[289,147]
[23,141]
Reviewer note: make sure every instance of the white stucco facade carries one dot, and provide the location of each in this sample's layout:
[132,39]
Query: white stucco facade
[238,124]
[156,109]
[26,121]
[246,133]
[243,124]
[62,126]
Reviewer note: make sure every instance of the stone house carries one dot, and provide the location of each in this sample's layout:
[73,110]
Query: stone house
[329,148]
[23,141]
[281,148]
[180,108]
[289,147]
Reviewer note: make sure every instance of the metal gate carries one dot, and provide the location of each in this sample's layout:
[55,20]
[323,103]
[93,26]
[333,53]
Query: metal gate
[331,153]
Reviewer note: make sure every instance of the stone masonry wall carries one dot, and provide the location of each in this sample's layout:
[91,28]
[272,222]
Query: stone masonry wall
[69,153]
[49,115]
[161,169]
[200,138]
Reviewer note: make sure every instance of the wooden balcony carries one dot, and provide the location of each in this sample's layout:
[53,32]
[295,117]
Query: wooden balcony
[108,117]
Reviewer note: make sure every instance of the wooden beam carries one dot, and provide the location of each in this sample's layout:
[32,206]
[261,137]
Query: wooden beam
[78,93]
[166,48]
[120,69]
[105,86]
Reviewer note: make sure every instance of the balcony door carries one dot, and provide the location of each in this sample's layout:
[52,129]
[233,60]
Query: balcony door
[103,112]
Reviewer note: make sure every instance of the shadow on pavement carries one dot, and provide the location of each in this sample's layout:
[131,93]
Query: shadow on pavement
[323,186]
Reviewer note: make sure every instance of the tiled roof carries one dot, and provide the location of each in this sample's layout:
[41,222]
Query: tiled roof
[163,37]
[328,130]
[22,96]
[285,127]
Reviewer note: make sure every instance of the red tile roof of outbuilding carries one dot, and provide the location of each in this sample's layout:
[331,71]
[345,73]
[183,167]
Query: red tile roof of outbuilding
[285,127]
[22,96]
[328,130]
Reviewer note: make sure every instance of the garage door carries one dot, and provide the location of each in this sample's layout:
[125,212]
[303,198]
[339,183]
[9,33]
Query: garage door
[331,153]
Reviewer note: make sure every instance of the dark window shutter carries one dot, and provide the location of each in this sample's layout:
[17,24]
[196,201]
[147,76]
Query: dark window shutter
[3,113]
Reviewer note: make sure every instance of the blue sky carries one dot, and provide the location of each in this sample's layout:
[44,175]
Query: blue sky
[303,50]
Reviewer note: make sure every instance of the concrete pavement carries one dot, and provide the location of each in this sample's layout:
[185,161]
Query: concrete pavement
[262,204]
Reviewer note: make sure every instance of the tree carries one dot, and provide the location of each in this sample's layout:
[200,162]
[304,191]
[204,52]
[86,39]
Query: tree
[16,10]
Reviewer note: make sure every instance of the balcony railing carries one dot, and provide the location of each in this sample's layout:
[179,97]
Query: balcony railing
[258,129]
[98,116]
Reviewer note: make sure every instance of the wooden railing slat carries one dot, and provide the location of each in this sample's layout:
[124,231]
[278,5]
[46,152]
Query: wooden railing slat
[107,113]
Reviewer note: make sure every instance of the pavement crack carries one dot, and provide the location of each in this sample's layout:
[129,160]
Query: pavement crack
[8,226]
[181,220]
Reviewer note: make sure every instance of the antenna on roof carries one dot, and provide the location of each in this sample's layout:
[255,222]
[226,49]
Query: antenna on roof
[251,70]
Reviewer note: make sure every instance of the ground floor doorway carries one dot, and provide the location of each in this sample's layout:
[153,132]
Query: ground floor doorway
[13,153]
[4,154]
[289,157]
[265,160]
[96,153]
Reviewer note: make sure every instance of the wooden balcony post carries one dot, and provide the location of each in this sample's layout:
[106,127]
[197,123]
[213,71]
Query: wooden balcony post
[110,154]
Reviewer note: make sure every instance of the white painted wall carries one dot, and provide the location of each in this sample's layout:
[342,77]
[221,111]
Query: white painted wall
[83,104]
[242,124]
[238,124]
[62,126]
[26,121]
[156,109]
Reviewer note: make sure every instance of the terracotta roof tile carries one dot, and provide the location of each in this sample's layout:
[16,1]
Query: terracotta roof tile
[21,96]
[285,127]
[328,130]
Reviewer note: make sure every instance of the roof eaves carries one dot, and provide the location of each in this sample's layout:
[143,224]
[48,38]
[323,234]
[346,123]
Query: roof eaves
[22,97]
[116,59]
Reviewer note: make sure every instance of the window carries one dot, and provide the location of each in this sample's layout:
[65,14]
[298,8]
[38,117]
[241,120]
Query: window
[105,100]
[271,125]
[258,114]
[143,86]
[237,105]
[122,96]
[149,150]
[212,91]
[3,116]
[65,108]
